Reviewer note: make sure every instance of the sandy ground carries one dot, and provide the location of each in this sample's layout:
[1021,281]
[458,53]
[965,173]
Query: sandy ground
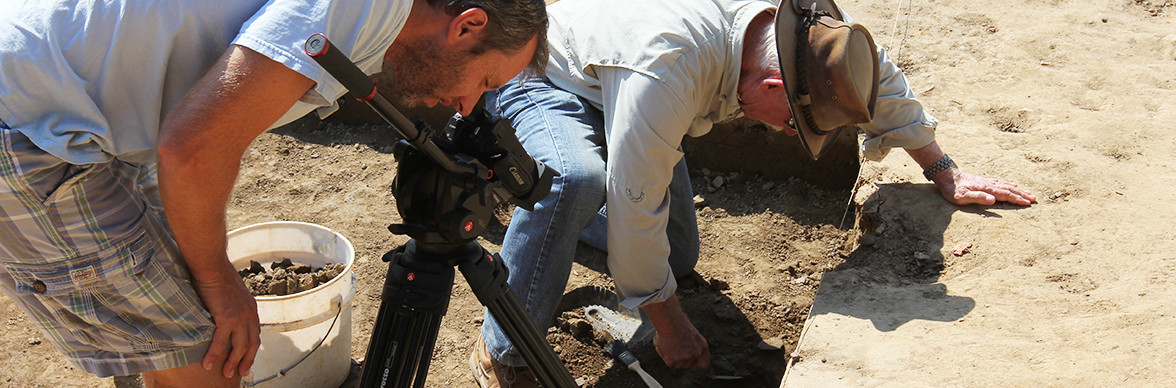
[1074,100]
[1071,99]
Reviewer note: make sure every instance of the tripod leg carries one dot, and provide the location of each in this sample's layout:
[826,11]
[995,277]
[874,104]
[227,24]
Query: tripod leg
[487,278]
[416,295]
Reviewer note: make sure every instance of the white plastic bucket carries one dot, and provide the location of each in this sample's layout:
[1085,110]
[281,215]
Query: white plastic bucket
[305,337]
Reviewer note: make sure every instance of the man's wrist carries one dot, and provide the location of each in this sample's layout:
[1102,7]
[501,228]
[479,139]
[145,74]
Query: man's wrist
[944,163]
[666,314]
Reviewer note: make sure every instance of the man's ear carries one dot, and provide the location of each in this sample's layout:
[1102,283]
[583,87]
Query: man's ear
[771,83]
[467,24]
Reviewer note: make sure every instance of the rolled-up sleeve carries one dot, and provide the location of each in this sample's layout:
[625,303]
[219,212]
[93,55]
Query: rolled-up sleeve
[645,121]
[899,118]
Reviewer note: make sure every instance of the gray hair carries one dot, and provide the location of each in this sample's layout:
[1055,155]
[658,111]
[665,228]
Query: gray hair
[511,25]
[767,56]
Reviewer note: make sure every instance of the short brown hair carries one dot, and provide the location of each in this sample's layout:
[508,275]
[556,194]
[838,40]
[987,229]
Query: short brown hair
[512,24]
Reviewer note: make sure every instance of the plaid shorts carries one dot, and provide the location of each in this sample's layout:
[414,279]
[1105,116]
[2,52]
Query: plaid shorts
[86,253]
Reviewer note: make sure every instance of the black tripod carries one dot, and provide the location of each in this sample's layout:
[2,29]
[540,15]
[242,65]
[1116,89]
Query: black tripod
[446,196]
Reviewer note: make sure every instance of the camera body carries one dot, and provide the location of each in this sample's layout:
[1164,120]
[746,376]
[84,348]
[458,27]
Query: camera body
[494,144]
[439,205]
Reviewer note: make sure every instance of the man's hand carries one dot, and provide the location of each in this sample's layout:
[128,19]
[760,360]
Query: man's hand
[678,343]
[962,188]
[238,329]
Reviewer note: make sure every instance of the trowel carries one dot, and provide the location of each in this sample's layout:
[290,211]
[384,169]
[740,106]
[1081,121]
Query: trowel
[620,330]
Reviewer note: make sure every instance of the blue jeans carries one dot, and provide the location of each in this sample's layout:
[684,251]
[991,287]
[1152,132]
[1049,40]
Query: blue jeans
[566,133]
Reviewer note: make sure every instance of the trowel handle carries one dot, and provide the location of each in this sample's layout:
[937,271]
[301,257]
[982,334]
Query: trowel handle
[636,367]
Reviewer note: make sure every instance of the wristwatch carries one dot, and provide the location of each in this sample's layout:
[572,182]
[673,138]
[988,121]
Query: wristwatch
[940,165]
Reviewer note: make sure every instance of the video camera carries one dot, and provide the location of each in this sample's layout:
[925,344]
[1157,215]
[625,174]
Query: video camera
[442,205]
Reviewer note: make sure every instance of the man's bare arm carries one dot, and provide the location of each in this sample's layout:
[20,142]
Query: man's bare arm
[200,148]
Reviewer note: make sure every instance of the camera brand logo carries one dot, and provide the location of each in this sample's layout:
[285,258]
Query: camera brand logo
[514,171]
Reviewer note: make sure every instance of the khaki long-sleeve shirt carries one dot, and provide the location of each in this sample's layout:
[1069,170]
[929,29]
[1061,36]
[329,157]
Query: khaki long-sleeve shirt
[661,70]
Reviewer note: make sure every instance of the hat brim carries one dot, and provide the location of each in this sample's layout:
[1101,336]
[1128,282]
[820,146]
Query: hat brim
[787,18]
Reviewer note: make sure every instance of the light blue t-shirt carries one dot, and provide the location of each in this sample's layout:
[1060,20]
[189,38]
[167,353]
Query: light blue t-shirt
[92,80]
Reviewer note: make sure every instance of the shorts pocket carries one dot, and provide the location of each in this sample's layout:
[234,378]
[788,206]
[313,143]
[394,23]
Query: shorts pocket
[132,298]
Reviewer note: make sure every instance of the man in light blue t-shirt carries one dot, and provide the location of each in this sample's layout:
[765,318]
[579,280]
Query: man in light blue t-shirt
[125,269]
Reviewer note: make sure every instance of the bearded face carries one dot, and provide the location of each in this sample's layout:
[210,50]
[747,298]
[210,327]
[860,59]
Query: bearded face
[421,72]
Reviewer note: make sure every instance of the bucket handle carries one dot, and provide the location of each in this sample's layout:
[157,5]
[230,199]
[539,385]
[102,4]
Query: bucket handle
[337,309]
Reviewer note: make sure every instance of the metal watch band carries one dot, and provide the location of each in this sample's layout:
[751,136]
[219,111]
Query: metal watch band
[940,165]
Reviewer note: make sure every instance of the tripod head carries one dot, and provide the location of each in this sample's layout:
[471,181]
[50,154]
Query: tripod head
[443,206]
[446,190]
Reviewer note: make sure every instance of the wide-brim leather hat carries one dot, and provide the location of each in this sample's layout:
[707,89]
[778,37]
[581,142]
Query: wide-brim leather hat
[830,71]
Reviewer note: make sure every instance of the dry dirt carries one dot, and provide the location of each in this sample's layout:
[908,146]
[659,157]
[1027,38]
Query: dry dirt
[1022,96]
[765,245]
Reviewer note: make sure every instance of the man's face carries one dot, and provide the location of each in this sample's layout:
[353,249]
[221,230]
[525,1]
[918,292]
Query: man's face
[424,74]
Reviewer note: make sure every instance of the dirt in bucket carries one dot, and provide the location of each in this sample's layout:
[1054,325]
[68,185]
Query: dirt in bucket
[284,277]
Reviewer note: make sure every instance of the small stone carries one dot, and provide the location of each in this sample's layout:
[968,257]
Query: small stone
[292,285]
[867,240]
[277,288]
[699,201]
[723,367]
[774,343]
[769,186]
[33,341]
[333,270]
[706,172]
[718,182]
[961,248]
[305,283]
[577,327]
[321,277]
[299,268]
[800,280]
[719,284]
[285,263]
[727,313]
